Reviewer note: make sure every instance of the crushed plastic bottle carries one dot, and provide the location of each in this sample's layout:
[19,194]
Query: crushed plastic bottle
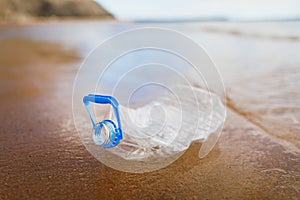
[169,124]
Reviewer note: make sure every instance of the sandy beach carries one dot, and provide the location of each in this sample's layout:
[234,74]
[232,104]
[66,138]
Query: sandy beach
[257,156]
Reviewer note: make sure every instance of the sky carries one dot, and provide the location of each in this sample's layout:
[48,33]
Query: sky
[203,9]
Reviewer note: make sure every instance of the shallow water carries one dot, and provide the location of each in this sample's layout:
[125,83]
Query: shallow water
[252,47]
[272,101]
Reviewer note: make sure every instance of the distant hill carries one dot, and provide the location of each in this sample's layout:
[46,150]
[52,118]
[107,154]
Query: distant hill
[47,8]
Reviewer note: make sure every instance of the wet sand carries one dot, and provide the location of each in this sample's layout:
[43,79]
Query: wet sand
[257,156]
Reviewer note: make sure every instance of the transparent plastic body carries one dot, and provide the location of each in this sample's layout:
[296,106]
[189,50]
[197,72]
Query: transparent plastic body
[163,128]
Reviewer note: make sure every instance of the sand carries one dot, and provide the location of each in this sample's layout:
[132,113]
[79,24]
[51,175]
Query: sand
[43,157]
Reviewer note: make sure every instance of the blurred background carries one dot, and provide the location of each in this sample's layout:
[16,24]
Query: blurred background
[254,44]
[195,10]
